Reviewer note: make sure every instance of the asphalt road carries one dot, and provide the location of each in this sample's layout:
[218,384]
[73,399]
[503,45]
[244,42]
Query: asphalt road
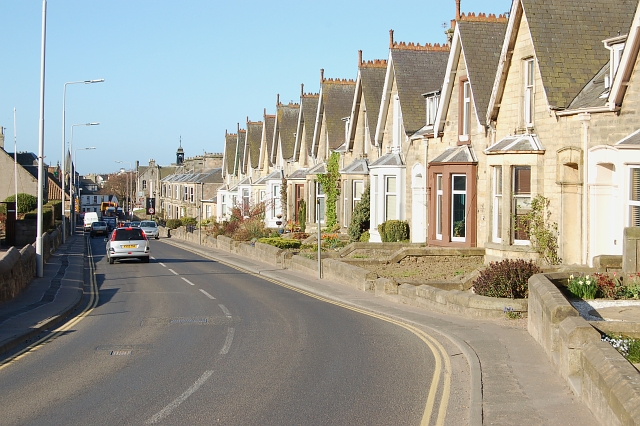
[186,340]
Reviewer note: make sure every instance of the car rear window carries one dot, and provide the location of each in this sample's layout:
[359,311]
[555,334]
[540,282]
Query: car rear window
[128,234]
[99,223]
[148,224]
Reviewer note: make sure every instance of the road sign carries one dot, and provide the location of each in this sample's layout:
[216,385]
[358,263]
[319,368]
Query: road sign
[152,210]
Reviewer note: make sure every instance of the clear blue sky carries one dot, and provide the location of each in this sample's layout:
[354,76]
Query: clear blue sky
[189,69]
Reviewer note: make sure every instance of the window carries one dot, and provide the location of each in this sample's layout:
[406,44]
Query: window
[390,199]
[275,200]
[374,203]
[432,107]
[207,214]
[528,93]
[496,208]
[191,194]
[521,203]
[245,201]
[358,190]
[223,206]
[186,193]
[465,112]
[634,196]
[320,203]
[144,184]
[263,194]
[439,195]
[345,204]
[95,199]
[458,207]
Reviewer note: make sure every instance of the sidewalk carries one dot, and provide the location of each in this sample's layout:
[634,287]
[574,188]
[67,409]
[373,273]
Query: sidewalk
[512,381]
[48,300]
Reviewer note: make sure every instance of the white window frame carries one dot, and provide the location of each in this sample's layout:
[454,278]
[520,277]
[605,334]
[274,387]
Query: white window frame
[374,202]
[517,197]
[529,92]
[345,204]
[191,195]
[246,201]
[455,192]
[439,199]
[321,200]
[275,199]
[387,196]
[432,102]
[496,209]
[630,202]
[466,111]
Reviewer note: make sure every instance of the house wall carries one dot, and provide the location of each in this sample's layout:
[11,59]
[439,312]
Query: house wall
[27,184]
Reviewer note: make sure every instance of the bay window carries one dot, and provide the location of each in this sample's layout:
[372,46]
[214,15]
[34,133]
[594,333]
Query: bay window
[496,207]
[521,203]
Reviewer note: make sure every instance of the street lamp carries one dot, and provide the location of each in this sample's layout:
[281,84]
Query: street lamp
[72,216]
[64,154]
[128,194]
[75,161]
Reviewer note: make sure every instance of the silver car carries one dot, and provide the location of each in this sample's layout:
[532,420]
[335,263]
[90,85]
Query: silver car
[150,228]
[127,243]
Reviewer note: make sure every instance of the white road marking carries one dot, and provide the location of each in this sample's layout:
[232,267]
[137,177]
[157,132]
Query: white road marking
[186,280]
[226,311]
[174,272]
[207,294]
[160,263]
[152,257]
[179,400]
[227,341]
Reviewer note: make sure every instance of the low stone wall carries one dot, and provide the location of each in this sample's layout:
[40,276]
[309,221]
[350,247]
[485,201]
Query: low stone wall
[605,382]
[17,269]
[337,270]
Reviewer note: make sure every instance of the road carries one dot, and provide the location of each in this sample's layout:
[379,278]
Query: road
[186,340]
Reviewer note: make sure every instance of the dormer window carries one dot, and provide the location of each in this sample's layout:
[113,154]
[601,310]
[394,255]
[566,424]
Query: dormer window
[615,46]
[432,99]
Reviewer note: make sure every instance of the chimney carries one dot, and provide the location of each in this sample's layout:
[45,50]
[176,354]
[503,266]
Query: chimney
[321,76]
[278,99]
[301,89]
[359,57]
[390,38]
[1,137]
[457,10]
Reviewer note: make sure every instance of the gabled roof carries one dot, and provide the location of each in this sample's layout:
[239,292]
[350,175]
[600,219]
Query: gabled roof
[298,174]
[359,166]
[230,147]
[594,94]
[254,135]
[307,119]
[528,143]
[271,176]
[242,137]
[458,154]
[335,104]
[632,140]
[368,95]
[567,41]
[206,176]
[318,169]
[266,142]
[285,130]
[392,159]
[627,63]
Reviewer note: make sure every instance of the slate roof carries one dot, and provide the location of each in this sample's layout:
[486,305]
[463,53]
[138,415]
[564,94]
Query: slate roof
[308,112]
[481,45]
[206,176]
[632,140]
[271,176]
[458,154]
[318,169]
[358,166]
[515,144]
[417,71]
[269,126]
[372,79]
[567,38]
[298,174]
[286,123]
[594,93]
[392,159]
[231,140]
[337,99]
[254,135]
[242,137]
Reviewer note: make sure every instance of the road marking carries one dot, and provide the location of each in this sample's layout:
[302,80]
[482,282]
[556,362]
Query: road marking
[160,263]
[174,272]
[179,400]
[227,341]
[207,294]
[186,280]
[226,311]
[152,257]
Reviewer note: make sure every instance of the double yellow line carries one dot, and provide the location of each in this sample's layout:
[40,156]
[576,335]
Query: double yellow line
[442,368]
[93,302]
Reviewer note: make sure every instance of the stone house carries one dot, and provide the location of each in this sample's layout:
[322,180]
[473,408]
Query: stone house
[181,193]
[412,70]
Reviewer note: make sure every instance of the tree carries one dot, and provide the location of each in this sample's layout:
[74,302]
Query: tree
[116,185]
[329,182]
[26,202]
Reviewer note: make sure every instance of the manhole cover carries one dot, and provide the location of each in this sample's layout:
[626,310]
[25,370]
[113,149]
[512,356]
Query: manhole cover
[120,352]
[189,321]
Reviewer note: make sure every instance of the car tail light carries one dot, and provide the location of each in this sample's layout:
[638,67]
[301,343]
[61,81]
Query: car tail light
[144,236]
[113,236]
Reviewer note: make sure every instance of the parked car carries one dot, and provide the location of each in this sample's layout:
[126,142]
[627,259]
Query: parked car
[150,228]
[89,218]
[127,243]
[111,223]
[135,224]
[99,228]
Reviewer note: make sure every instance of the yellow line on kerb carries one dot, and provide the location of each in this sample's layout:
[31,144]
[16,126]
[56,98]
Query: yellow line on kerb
[439,352]
[93,302]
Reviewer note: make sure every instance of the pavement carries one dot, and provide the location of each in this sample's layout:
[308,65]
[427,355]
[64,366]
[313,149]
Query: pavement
[511,379]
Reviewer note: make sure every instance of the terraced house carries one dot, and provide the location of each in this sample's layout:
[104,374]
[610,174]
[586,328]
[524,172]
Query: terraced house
[459,138]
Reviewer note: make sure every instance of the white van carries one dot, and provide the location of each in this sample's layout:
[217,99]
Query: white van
[89,218]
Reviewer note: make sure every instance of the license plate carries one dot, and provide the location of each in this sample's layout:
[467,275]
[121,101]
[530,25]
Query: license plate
[129,246]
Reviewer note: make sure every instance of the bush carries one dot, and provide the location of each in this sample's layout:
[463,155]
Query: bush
[364,237]
[393,231]
[189,221]
[26,202]
[360,217]
[173,223]
[508,278]
[302,215]
[282,243]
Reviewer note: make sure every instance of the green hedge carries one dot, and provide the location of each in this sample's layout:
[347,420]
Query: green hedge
[26,202]
[47,216]
[393,231]
[173,223]
[282,243]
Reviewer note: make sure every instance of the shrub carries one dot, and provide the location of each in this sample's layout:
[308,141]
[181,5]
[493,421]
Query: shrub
[26,202]
[174,223]
[393,231]
[302,215]
[282,243]
[189,221]
[364,237]
[360,217]
[508,279]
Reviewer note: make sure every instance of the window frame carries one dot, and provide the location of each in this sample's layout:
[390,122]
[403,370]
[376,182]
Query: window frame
[529,92]
[439,205]
[321,203]
[455,192]
[387,197]
[496,203]
[464,112]
[515,196]
[630,202]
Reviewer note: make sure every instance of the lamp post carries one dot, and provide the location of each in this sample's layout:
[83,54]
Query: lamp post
[75,161]
[127,189]
[72,216]
[64,153]
[39,250]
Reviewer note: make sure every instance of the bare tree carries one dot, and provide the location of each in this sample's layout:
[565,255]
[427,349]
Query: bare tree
[116,185]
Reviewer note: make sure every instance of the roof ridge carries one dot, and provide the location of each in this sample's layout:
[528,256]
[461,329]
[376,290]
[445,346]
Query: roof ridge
[428,47]
[339,81]
[310,95]
[376,63]
[483,17]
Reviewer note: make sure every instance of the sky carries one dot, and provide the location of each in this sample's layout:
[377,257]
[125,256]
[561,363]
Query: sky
[185,72]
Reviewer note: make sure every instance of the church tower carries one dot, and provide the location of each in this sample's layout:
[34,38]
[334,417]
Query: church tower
[180,154]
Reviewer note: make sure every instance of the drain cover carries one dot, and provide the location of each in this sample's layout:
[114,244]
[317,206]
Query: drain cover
[189,321]
[120,352]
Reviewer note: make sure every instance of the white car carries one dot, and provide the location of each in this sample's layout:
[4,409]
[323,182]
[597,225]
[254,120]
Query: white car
[150,228]
[127,243]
